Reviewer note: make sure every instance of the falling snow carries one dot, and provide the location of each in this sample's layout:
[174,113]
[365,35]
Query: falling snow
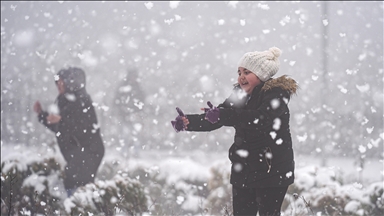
[185,54]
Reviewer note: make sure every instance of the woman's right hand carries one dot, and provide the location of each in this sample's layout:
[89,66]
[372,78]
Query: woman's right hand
[37,107]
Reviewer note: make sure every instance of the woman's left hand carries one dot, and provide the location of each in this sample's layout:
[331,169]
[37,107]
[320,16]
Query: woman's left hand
[212,114]
[53,119]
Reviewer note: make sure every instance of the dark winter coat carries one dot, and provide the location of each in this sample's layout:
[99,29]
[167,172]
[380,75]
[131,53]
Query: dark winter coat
[261,154]
[77,133]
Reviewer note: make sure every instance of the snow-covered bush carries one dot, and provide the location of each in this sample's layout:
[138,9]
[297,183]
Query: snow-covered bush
[220,191]
[30,188]
[168,185]
[318,190]
[121,195]
[174,186]
[375,192]
[34,185]
[313,176]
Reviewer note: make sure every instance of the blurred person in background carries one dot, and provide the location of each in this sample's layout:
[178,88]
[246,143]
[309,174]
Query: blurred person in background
[76,128]
[129,112]
[261,155]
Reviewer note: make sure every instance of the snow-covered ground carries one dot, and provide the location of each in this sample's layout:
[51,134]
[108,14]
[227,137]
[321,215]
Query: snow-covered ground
[373,170]
[316,177]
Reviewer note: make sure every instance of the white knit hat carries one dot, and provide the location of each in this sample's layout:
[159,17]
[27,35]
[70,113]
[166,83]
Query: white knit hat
[264,64]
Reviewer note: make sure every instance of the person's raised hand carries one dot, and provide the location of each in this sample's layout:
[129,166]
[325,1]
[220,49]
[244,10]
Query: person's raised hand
[212,114]
[37,107]
[53,119]
[180,123]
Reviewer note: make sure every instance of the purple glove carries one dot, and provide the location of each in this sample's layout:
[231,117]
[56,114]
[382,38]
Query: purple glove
[178,123]
[212,114]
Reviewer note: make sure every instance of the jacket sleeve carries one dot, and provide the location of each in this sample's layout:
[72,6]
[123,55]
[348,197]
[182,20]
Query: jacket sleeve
[197,122]
[42,117]
[273,105]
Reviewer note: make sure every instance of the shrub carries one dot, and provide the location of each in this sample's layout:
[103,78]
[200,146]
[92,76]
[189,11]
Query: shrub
[118,195]
[219,199]
[322,192]
[28,188]
[173,186]
[179,197]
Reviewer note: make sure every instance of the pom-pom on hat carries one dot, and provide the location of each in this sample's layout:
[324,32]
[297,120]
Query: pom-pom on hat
[264,64]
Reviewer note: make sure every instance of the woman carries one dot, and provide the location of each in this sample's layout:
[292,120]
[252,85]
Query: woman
[261,155]
[76,128]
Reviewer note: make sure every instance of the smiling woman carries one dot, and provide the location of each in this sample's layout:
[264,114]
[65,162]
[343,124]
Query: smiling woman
[261,155]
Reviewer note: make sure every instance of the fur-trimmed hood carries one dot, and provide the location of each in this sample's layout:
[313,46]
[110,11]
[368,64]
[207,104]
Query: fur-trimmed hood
[283,82]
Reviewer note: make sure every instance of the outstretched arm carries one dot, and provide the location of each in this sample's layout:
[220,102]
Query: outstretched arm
[192,122]
[197,122]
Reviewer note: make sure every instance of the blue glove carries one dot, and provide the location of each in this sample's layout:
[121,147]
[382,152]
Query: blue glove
[212,114]
[178,123]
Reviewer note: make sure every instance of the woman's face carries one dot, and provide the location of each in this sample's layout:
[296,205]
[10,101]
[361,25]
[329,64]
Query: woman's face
[247,80]
[60,86]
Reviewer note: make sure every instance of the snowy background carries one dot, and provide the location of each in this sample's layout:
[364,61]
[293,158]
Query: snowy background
[143,59]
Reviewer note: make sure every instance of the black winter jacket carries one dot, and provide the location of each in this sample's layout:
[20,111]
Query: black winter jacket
[78,136]
[262,154]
